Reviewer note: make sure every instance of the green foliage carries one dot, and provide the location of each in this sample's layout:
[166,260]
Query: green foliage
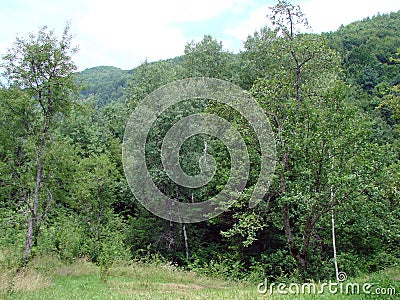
[332,100]
[370,44]
[148,77]
[42,66]
[222,266]
[112,248]
[65,237]
[207,58]
[105,84]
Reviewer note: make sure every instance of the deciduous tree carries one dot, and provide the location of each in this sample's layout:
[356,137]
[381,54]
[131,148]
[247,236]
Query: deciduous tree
[41,66]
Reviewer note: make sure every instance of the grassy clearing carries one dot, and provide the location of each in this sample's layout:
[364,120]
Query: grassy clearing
[48,278]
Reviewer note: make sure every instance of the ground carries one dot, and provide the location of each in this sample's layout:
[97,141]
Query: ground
[49,278]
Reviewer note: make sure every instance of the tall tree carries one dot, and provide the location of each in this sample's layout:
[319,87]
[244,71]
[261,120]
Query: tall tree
[41,66]
[293,95]
[306,102]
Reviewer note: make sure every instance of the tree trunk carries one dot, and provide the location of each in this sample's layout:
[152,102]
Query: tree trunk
[33,210]
[30,233]
[29,237]
[334,245]
[333,225]
[299,256]
[185,240]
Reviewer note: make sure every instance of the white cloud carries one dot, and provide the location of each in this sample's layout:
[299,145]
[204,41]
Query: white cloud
[123,33]
[137,30]
[256,20]
[323,15]
[327,15]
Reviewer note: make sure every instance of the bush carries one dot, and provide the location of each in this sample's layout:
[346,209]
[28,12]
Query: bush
[112,247]
[223,266]
[65,237]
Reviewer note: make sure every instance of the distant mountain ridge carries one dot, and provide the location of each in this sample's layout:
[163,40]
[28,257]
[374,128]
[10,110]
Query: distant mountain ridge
[105,83]
[366,47]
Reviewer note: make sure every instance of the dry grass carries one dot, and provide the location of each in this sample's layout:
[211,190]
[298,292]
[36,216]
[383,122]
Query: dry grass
[30,281]
[3,282]
[25,280]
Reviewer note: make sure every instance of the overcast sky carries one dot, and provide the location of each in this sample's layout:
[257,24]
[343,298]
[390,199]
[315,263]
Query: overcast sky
[124,33]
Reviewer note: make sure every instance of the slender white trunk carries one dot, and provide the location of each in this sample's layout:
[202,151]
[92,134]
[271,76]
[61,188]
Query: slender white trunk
[186,241]
[333,224]
[185,235]
[334,244]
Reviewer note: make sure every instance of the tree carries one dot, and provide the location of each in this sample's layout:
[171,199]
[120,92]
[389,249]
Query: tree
[321,140]
[148,77]
[293,93]
[41,66]
[207,58]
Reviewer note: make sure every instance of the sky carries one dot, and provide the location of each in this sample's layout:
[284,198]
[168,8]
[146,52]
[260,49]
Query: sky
[125,33]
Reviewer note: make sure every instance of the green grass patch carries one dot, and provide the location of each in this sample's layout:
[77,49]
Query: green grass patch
[48,278]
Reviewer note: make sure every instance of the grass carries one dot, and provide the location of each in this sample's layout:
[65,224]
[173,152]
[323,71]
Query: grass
[48,278]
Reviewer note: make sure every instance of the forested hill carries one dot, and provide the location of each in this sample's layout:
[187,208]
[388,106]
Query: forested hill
[366,48]
[105,83]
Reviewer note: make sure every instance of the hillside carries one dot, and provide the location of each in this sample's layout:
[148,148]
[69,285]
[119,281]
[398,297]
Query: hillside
[104,83]
[366,48]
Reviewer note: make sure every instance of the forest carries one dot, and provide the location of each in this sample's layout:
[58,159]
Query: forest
[333,204]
